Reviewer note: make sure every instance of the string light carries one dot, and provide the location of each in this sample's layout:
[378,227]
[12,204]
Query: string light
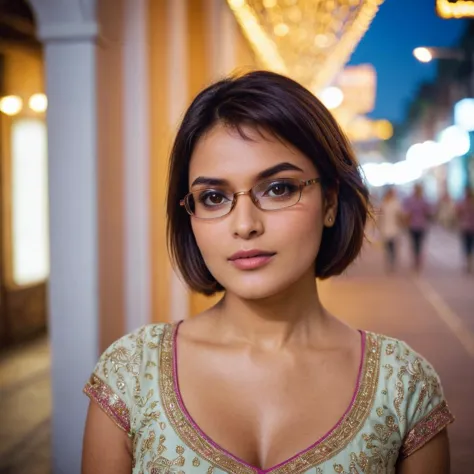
[310,40]
[38,103]
[459,9]
[11,105]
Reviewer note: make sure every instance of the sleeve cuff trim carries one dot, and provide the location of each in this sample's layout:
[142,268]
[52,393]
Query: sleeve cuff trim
[101,393]
[426,429]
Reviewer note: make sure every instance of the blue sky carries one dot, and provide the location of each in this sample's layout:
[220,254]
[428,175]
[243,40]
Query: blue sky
[398,28]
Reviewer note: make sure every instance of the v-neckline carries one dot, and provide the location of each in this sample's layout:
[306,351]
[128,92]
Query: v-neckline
[324,448]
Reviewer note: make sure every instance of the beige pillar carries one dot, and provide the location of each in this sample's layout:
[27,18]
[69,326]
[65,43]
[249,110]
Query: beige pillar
[96,62]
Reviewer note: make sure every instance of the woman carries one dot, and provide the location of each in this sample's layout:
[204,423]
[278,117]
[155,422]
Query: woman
[390,225]
[465,212]
[264,195]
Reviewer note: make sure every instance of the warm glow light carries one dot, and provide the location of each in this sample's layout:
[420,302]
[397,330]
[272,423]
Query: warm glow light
[332,97]
[423,54]
[269,3]
[11,104]
[29,201]
[305,40]
[38,103]
[383,129]
[281,29]
[459,9]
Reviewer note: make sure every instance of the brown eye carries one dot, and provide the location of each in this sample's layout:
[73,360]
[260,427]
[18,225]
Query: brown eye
[212,198]
[280,189]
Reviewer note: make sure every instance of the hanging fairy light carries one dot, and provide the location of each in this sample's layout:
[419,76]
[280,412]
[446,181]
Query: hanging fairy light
[309,40]
[455,8]
[11,105]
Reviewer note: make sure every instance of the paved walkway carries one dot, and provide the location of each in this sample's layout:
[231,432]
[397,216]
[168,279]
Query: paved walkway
[433,312]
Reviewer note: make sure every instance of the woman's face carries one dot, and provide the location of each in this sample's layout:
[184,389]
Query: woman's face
[291,236]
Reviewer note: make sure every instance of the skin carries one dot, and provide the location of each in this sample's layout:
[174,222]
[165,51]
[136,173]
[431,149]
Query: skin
[244,365]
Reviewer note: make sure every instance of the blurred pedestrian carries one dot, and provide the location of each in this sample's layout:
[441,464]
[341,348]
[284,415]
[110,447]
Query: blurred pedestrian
[418,215]
[391,214]
[446,212]
[465,212]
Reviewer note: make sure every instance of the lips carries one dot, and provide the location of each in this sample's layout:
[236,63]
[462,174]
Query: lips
[243,254]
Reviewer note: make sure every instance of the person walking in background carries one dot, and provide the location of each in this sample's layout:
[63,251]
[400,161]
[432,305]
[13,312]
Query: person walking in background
[418,215]
[446,212]
[465,213]
[390,226]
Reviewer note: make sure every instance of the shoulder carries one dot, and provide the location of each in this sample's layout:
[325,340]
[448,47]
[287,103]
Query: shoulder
[413,392]
[124,371]
[127,354]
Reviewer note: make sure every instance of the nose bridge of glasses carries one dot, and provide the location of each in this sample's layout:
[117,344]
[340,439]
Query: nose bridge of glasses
[250,193]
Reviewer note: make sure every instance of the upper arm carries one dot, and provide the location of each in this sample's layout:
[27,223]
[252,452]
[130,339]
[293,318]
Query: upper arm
[423,415]
[432,458]
[107,444]
[107,448]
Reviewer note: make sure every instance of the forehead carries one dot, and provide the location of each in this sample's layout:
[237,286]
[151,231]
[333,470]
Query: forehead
[224,153]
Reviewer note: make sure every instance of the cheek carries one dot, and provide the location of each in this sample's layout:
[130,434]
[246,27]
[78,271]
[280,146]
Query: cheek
[209,236]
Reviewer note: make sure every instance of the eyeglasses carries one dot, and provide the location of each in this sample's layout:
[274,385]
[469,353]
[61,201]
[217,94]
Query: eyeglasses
[269,195]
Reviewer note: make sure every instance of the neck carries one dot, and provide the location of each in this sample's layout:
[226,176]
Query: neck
[290,317]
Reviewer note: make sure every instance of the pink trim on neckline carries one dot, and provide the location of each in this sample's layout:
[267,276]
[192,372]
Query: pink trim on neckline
[363,336]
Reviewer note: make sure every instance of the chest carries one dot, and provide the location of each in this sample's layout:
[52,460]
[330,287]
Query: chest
[265,410]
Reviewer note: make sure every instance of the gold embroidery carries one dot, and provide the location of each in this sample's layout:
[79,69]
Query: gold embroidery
[337,440]
[389,371]
[390,349]
[400,392]
[379,411]
[161,465]
[421,376]
[104,396]
[196,462]
[383,451]
[428,427]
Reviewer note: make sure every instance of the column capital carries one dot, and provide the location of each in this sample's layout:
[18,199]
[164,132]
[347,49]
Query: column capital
[65,20]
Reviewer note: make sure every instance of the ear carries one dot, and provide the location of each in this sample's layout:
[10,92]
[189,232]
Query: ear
[331,202]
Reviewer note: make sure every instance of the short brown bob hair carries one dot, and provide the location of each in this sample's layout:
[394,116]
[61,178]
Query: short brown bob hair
[278,105]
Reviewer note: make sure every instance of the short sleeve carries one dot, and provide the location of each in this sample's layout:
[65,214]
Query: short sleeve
[426,411]
[112,382]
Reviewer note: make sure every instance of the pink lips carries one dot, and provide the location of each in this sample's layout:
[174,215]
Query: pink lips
[251,259]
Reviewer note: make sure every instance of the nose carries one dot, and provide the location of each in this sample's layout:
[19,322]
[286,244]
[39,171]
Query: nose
[247,220]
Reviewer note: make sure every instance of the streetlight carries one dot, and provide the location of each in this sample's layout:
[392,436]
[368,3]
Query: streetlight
[426,54]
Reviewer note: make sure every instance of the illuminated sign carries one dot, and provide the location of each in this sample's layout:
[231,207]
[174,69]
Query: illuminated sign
[455,8]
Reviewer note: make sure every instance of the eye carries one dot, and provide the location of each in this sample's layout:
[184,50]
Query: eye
[280,189]
[212,198]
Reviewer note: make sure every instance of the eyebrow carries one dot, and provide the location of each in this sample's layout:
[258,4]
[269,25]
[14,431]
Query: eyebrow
[268,173]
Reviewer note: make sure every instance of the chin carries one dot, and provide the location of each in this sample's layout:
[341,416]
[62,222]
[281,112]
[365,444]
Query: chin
[253,289]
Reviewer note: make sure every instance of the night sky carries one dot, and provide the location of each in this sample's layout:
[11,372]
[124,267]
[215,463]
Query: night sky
[398,28]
